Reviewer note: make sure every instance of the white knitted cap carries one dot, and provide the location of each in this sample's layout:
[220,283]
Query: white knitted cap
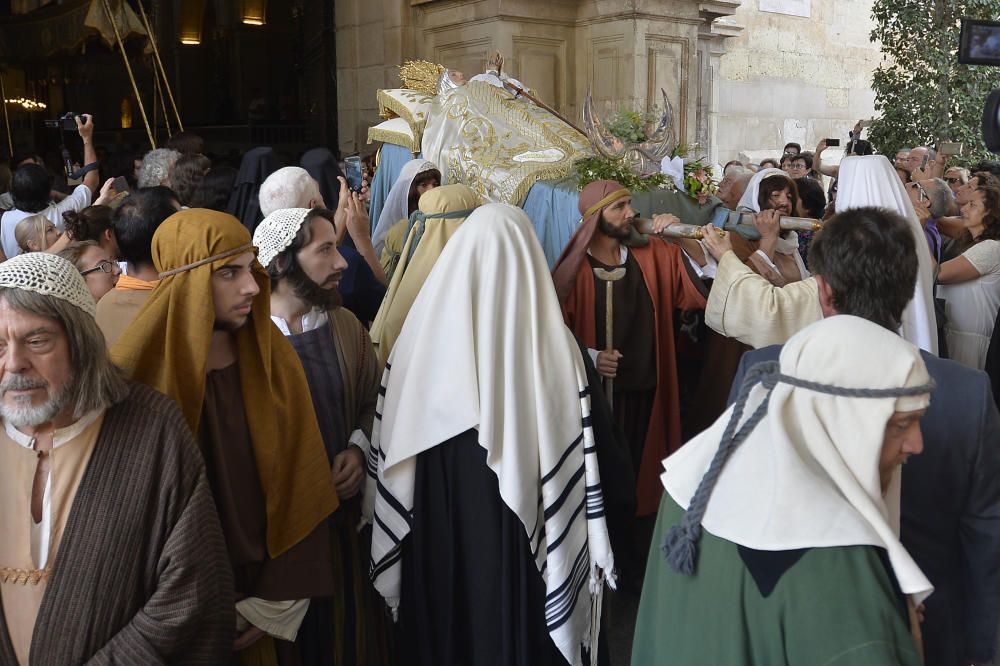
[48,274]
[277,231]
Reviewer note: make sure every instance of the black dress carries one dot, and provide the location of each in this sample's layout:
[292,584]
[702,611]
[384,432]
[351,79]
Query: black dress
[471,594]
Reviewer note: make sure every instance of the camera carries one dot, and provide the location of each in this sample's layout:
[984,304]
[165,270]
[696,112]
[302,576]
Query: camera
[65,122]
[980,45]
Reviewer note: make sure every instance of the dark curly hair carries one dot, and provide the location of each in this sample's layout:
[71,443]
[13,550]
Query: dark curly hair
[991,220]
[186,176]
[88,224]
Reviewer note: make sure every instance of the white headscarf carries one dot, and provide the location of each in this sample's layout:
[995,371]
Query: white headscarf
[807,476]
[871,180]
[749,199]
[397,204]
[788,242]
[484,346]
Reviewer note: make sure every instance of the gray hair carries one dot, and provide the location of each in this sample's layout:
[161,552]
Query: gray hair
[96,382]
[288,187]
[156,165]
[940,196]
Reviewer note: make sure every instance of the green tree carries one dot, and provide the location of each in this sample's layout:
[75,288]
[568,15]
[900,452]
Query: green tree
[921,91]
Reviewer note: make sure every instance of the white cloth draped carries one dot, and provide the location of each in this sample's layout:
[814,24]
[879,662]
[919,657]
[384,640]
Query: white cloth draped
[808,475]
[484,346]
[397,204]
[788,242]
[871,180]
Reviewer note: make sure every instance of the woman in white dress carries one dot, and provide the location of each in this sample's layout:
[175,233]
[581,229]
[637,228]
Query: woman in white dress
[970,283]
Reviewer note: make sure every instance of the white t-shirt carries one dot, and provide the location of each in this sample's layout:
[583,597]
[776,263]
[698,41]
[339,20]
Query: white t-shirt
[78,199]
[972,306]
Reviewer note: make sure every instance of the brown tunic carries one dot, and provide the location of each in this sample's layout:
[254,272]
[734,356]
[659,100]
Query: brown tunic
[140,575]
[632,328]
[299,573]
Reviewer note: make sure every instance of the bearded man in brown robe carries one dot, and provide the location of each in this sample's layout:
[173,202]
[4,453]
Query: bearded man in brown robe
[205,338]
[110,547]
[642,361]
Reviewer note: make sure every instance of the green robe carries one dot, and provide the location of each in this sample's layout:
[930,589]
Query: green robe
[833,607]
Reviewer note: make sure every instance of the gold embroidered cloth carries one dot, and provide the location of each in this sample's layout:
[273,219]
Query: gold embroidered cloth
[499,146]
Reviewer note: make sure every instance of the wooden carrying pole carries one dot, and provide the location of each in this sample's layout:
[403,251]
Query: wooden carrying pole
[160,69]
[6,118]
[128,68]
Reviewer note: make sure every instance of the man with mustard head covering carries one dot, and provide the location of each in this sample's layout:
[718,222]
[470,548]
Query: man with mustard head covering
[777,541]
[441,211]
[205,338]
[641,361]
[298,248]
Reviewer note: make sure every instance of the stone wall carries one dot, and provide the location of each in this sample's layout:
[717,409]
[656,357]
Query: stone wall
[625,51]
[788,77]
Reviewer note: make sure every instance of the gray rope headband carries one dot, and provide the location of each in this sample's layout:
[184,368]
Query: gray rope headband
[418,218]
[681,543]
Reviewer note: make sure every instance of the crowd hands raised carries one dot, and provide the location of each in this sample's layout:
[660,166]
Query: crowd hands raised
[427,375]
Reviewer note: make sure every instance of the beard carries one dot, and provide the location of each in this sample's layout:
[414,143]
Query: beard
[608,229]
[312,292]
[25,414]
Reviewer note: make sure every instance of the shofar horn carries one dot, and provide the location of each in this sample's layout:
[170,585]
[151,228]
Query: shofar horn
[739,222]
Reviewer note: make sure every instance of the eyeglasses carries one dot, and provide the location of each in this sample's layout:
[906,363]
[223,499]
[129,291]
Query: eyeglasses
[922,197]
[105,266]
[953,181]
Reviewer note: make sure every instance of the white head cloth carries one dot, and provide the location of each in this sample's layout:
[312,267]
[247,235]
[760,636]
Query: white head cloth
[807,476]
[788,242]
[749,199]
[48,274]
[445,83]
[871,180]
[484,346]
[397,206]
[277,231]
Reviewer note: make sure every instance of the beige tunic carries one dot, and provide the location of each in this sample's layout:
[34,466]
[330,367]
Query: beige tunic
[745,306]
[27,550]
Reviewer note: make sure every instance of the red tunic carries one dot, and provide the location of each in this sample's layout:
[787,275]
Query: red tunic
[671,289]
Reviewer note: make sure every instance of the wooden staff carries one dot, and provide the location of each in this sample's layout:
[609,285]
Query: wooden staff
[521,92]
[609,278]
[128,68]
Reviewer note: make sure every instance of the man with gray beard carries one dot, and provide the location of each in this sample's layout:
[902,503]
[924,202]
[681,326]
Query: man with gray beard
[110,546]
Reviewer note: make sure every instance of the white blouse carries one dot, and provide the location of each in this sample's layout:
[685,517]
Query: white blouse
[971,306]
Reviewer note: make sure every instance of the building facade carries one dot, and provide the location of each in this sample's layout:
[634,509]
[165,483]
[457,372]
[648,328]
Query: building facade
[741,76]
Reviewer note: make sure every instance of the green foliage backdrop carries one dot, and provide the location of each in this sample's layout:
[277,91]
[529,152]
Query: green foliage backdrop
[921,92]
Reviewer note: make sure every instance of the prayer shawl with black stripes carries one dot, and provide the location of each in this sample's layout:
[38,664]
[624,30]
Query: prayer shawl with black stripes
[485,347]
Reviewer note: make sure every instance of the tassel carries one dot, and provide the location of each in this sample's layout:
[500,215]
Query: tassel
[680,549]
[596,606]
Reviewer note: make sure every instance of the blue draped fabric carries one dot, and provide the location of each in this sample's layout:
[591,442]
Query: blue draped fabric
[390,163]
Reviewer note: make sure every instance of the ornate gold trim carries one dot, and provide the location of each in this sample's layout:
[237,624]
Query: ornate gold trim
[397,138]
[24,576]
[388,103]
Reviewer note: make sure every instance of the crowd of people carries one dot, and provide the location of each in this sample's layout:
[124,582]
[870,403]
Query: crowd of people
[244,422]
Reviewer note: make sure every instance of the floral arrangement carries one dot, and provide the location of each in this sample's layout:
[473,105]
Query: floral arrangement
[609,168]
[690,176]
[698,183]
